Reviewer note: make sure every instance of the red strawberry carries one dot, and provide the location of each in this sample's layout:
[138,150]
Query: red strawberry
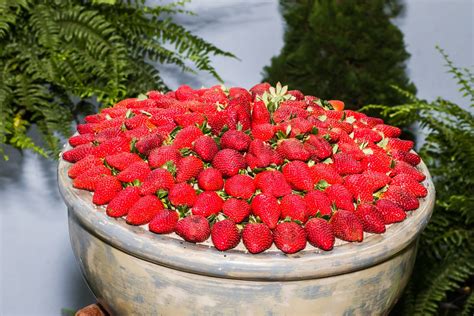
[370,218]
[212,96]
[399,144]
[137,133]
[158,179]
[182,194]
[261,155]
[94,118]
[194,228]
[409,157]
[402,167]
[188,168]
[259,89]
[164,222]
[284,113]
[401,197]
[109,133]
[185,93]
[106,188]
[112,146]
[360,187]
[289,237]
[229,162]
[87,128]
[387,130]
[297,94]
[264,132]
[294,206]
[317,202]
[235,92]
[391,212]
[143,211]
[123,202]
[260,114]
[240,186]
[366,135]
[189,119]
[225,235]
[320,148]
[146,144]
[86,182]
[83,165]
[319,234]
[326,172]
[294,103]
[236,209]
[345,164]
[81,139]
[340,196]
[160,156]
[257,237]
[273,183]
[206,148]
[409,184]
[207,203]
[78,153]
[379,162]
[298,175]
[293,149]
[267,208]
[234,139]
[136,171]
[185,137]
[346,226]
[122,160]
[210,179]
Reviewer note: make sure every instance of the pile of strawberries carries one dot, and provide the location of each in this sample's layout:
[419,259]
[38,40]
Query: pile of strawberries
[264,166]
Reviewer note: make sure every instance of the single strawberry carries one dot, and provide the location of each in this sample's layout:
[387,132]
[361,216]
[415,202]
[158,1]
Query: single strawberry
[289,237]
[123,202]
[185,93]
[346,226]
[136,171]
[261,155]
[317,202]
[402,167]
[319,234]
[399,144]
[272,182]
[206,148]
[366,135]
[225,235]
[229,162]
[267,208]
[294,103]
[160,156]
[182,194]
[94,118]
[284,113]
[81,139]
[295,207]
[236,209]
[298,175]
[87,128]
[325,172]
[379,162]
[213,96]
[106,188]
[158,179]
[185,137]
[263,132]
[320,148]
[240,186]
[112,146]
[401,197]
[260,114]
[83,165]
[235,92]
[370,218]
[409,157]
[409,184]
[207,203]
[210,179]
[297,94]
[123,160]
[388,130]
[78,153]
[136,121]
[235,139]
[189,119]
[345,164]
[376,180]
[86,182]
[109,133]
[391,212]
[259,89]
[193,228]
[188,168]
[360,187]
[144,210]
[293,149]
[164,222]
[257,237]
[146,144]
[340,196]
[138,133]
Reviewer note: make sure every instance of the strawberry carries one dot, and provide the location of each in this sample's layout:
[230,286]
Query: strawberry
[83,165]
[185,137]
[235,92]
[225,235]
[136,121]
[259,89]
[401,197]
[337,105]
[297,94]
[320,148]
[377,162]
[106,188]
[234,139]
[158,179]
[136,171]
[112,146]
[390,212]
[409,184]
[81,139]
[360,187]
[189,119]
[273,183]
[78,153]
[340,196]
[123,202]
[87,128]
[146,144]
[160,156]
[193,228]
[212,96]
[294,206]
[387,130]
[345,164]
[206,148]
[325,172]
[229,162]
[319,234]
[267,208]
[236,209]
[207,203]
[293,149]
[182,194]
[94,118]
[409,157]
[289,237]
[399,144]
[346,226]
[294,103]
[264,131]
[257,237]
[144,210]
[366,135]
[240,186]
[109,133]
[188,168]
[371,219]
[261,155]
[86,182]
[164,222]
[402,167]
[317,202]
[185,93]
[297,174]
[260,114]
[284,113]
[210,179]
[122,160]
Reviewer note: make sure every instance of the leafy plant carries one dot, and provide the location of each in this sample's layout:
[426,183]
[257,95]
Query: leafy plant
[348,50]
[443,277]
[60,57]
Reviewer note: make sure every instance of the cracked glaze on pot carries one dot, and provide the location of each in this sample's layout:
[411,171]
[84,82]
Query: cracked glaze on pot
[133,271]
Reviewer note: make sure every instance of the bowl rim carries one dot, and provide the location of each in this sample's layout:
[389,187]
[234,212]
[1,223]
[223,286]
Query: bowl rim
[174,253]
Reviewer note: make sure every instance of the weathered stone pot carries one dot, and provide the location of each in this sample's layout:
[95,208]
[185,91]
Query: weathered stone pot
[135,272]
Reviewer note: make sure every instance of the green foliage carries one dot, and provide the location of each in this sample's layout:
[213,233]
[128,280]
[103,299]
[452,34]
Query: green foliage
[445,263]
[60,57]
[347,50]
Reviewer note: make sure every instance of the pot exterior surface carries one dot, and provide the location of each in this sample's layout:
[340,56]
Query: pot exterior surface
[128,285]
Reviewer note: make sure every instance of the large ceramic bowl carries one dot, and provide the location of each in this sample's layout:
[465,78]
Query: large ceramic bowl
[135,272]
